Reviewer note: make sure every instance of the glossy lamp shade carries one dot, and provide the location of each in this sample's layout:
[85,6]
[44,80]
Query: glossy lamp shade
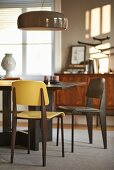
[42,20]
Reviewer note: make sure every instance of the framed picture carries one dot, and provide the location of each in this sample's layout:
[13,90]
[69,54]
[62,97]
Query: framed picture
[78,53]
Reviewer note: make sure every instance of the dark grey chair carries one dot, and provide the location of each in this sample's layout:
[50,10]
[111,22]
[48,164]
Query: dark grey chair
[95,90]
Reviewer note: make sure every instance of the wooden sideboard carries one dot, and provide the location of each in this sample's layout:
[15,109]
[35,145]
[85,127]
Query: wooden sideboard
[76,95]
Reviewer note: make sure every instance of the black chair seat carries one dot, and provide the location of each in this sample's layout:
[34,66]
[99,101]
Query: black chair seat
[66,108]
[74,110]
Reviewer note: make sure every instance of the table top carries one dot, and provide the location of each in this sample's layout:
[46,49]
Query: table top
[6,84]
[64,85]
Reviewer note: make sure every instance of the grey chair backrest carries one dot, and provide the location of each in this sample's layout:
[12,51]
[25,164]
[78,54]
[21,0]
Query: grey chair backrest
[96,89]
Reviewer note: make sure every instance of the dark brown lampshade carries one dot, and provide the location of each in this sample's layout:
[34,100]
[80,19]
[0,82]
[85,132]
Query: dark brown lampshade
[42,20]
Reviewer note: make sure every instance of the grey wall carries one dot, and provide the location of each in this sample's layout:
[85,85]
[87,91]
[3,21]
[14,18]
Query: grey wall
[74,10]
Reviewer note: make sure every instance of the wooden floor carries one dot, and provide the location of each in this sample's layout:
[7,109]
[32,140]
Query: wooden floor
[67,126]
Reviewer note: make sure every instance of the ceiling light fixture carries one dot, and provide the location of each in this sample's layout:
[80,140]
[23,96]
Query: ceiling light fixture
[42,20]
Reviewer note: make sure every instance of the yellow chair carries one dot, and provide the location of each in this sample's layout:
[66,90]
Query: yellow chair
[32,93]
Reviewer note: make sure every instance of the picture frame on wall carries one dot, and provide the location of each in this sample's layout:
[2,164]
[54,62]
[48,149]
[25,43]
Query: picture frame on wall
[78,54]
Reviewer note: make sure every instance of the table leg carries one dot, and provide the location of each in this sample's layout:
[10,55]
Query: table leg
[5,135]
[6,103]
[35,136]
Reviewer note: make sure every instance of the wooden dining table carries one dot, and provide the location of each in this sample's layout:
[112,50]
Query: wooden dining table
[35,138]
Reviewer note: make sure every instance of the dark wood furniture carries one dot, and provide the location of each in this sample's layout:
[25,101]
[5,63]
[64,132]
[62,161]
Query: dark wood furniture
[68,97]
[5,87]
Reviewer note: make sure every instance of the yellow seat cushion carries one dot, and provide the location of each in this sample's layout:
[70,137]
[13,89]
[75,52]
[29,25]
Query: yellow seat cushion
[37,114]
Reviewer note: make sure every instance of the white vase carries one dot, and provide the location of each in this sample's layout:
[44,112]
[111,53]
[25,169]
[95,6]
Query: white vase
[8,64]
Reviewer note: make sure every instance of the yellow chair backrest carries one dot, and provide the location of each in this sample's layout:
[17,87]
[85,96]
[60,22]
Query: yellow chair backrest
[28,92]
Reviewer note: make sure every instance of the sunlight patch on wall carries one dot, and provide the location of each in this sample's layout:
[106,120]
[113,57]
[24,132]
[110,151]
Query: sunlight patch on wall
[101,59]
[87,20]
[87,23]
[96,53]
[104,65]
[98,21]
[106,19]
[95,22]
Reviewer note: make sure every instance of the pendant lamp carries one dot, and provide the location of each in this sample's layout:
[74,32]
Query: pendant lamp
[42,20]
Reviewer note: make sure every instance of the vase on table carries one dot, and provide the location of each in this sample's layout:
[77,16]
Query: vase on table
[8,64]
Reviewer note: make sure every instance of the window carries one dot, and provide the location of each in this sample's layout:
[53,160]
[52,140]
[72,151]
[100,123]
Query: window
[32,50]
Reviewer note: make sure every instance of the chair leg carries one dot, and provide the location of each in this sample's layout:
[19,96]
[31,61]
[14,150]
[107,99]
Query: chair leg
[103,129]
[62,136]
[72,135]
[89,118]
[44,138]
[97,120]
[57,140]
[28,137]
[13,138]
